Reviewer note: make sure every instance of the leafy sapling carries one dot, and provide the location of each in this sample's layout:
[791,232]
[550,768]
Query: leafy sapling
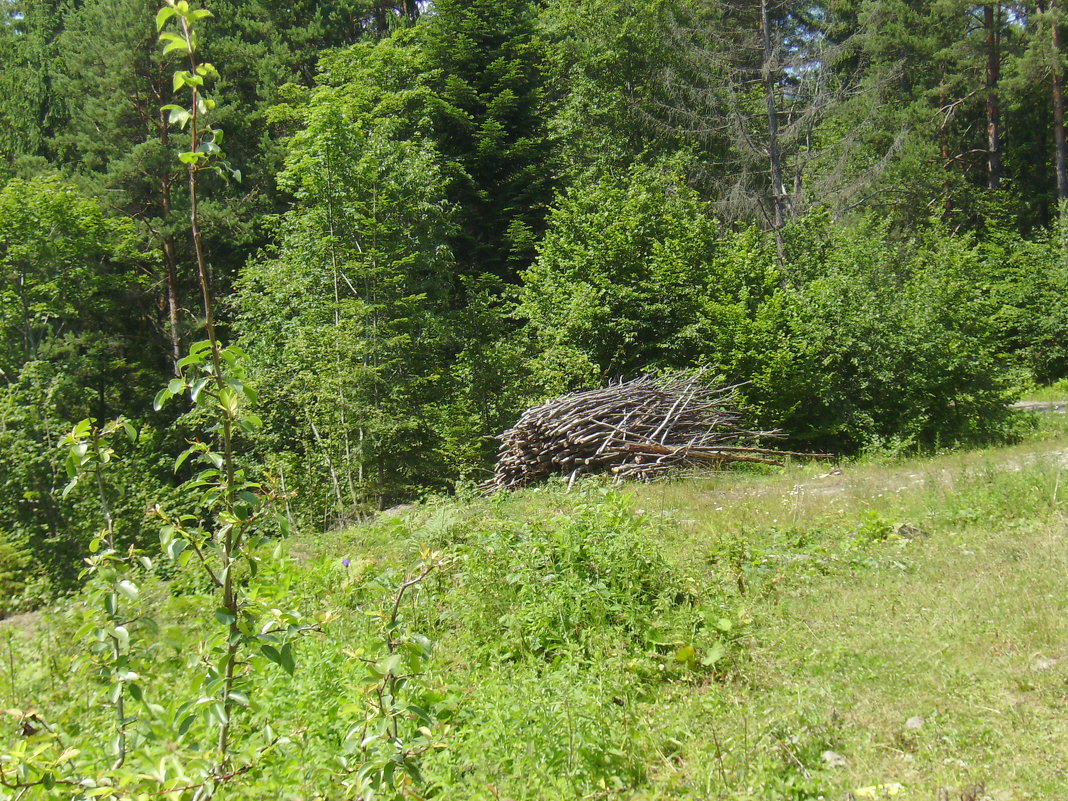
[113,577]
[230,510]
[115,618]
[396,726]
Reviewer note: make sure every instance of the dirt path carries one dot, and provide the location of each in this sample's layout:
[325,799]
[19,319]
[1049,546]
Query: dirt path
[1042,406]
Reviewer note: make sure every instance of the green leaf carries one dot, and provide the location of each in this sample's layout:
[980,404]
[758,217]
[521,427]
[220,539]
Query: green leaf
[185,724]
[283,658]
[185,455]
[271,653]
[161,398]
[713,655]
[225,616]
[122,635]
[175,548]
[179,116]
[238,697]
[217,711]
[198,387]
[388,664]
[128,588]
[686,655]
[288,664]
[421,713]
[174,42]
[163,15]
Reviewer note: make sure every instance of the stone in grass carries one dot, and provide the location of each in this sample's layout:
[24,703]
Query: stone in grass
[915,722]
[833,760]
[910,532]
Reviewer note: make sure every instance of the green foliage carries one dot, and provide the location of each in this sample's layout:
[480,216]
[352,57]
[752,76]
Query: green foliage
[884,341]
[69,347]
[394,732]
[857,339]
[490,64]
[362,271]
[628,273]
[67,268]
[1028,282]
[15,558]
[573,587]
[600,56]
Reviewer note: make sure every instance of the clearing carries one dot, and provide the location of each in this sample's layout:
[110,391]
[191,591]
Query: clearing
[887,629]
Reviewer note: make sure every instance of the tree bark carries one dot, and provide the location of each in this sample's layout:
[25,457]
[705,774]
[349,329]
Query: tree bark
[1058,110]
[778,190]
[170,258]
[943,149]
[992,25]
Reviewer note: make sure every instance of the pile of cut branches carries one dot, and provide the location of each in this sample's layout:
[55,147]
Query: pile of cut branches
[638,429]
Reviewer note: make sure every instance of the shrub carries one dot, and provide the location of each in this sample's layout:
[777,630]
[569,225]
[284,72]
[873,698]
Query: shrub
[630,277]
[857,339]
[884,342]
[568,584]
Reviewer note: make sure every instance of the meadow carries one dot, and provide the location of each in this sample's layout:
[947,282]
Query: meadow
[890,627]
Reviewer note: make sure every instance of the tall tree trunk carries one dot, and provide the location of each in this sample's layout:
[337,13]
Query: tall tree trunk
[170,258]
[770,72]
[943,149]
[170,276]
[992,25]
[1058,110]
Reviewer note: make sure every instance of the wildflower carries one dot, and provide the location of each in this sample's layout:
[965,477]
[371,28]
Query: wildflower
[346,562]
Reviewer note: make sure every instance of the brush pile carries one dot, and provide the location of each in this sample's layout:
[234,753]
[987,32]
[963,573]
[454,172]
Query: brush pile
[638,429]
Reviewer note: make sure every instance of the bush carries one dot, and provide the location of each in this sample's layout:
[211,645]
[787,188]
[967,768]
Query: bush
[886,342]
[630,276]
[15,558]
[858,339]
[568,584]
[1028,283]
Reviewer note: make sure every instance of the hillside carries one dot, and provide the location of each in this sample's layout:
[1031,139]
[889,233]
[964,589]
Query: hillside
[889,629]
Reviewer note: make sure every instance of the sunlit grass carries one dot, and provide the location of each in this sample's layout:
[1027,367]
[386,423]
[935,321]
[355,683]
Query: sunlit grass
[896,625]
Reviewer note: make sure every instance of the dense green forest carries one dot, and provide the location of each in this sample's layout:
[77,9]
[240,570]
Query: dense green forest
[427,216]
[441,213]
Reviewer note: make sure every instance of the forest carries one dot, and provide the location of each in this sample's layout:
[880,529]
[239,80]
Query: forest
[427,216]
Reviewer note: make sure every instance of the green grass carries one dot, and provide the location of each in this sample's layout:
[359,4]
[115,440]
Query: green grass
[1056,391]
[888,623]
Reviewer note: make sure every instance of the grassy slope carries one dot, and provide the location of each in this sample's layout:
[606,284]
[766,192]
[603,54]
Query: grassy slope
[965,629]
[841,631]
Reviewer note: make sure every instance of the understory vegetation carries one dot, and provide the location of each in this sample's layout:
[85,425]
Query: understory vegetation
[274,276]
[895,630]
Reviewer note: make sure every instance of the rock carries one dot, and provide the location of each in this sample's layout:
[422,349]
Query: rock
[915,722]
[833,759]
[910,532]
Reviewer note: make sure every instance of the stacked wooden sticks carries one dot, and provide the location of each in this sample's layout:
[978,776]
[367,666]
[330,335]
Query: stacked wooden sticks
[637,429]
